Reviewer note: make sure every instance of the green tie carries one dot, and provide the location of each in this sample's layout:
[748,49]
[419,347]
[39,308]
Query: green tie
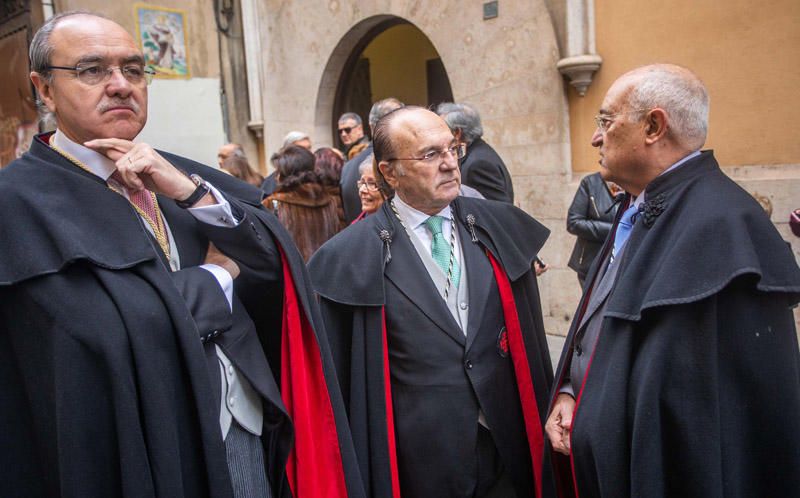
[440,249]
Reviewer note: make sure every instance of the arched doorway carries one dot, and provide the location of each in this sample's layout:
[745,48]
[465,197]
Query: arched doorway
[392,59]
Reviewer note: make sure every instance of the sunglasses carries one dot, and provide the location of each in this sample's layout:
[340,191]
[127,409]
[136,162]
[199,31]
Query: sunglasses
[347,129]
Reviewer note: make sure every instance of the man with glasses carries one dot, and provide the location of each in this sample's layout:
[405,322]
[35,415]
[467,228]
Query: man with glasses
[681,373]
[435,324]
[351,132]
[130,361]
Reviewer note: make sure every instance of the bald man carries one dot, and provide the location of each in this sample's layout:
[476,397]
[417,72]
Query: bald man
[681,374]
[438,336]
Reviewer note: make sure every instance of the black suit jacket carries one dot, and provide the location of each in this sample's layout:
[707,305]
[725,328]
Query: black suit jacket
[483,170]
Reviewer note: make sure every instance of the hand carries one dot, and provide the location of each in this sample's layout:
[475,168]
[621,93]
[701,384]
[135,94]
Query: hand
[539,269]
[141,167]
[559,423]
[215,257]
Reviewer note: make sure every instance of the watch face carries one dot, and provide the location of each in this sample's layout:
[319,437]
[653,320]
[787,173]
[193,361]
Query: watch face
[197,179]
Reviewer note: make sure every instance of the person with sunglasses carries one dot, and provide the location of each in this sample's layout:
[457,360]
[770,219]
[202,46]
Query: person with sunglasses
[351,132]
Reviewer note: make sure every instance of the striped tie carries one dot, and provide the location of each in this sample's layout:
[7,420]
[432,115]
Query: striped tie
[440,249]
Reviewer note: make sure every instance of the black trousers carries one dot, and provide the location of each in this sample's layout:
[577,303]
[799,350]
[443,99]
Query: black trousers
[493,481]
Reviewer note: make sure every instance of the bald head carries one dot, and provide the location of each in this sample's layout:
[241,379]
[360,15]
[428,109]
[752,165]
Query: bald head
[676,90]
[414,151]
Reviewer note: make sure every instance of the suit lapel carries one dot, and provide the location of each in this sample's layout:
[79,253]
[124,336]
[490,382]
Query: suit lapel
[409,275]
[601,291]
[479,277]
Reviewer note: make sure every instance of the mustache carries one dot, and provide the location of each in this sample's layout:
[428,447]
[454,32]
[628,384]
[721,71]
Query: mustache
[118,102]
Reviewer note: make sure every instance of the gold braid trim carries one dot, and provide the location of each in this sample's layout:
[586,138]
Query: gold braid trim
[157,225]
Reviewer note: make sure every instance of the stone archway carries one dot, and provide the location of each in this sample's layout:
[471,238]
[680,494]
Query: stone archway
[505,67]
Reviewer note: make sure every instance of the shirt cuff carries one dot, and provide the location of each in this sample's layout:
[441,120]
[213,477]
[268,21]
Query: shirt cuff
[219,214]
[566,388]
[224,279]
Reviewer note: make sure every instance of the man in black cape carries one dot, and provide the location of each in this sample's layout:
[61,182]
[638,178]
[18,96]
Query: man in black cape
[437,336]
[146,315]
[681,374]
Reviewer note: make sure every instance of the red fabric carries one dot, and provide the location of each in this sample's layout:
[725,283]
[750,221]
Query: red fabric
[519,356]
[387,382]
[314,468]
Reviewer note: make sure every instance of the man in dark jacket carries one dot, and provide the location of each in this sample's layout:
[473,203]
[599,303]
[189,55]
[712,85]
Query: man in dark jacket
[351,202]
[139,342]
[589,218]
[681,372]
[437,335]
[481,168]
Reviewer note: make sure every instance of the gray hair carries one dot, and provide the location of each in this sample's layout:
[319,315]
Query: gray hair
[365,164]
[381,108]
[292,137]
[41,52]
[462,117]
[351,115]
[680,93]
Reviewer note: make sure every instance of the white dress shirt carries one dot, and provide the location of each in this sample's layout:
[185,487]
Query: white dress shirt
[415,221]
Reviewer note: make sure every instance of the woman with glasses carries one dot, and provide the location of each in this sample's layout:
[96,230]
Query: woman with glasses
[372,194]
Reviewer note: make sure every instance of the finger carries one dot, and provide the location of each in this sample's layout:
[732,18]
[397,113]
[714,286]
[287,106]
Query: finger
[129,169]
[566,440]
[113,148]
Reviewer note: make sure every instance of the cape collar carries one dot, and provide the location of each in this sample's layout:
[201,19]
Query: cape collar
[699,224]
[513,237]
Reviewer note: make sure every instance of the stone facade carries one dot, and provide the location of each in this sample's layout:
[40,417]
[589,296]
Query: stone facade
[506,67]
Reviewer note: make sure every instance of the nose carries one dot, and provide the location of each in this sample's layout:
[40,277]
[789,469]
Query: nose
[117,84]
[597,138]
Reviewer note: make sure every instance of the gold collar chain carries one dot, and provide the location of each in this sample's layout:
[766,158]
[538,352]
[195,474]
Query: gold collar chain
[157,225]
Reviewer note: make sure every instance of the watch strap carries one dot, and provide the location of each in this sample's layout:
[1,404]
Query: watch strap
[200,192]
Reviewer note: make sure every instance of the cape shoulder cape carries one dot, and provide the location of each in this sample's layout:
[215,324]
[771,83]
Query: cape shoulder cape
[509,233]
[713,217]
[58,215]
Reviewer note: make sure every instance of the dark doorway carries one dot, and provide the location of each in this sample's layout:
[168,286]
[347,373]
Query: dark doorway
[394,59]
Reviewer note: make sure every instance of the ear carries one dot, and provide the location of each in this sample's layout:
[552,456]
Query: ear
[457,134]
[655,125]
[389,173]
[44,89]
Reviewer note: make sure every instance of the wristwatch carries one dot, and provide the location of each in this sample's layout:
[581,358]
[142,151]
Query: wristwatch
[200,192]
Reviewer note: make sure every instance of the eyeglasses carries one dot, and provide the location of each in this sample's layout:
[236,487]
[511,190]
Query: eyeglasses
[369,184]
[603,121]
[347,129]
[94,74]
[456,150]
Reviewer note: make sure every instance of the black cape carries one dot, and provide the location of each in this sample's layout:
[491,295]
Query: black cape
[353,310]
[693,389]
[106,386]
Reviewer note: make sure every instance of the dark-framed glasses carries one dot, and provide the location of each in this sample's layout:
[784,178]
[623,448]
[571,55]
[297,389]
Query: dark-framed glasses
[458,151]
[346,130]
[94,74]
[368,184]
